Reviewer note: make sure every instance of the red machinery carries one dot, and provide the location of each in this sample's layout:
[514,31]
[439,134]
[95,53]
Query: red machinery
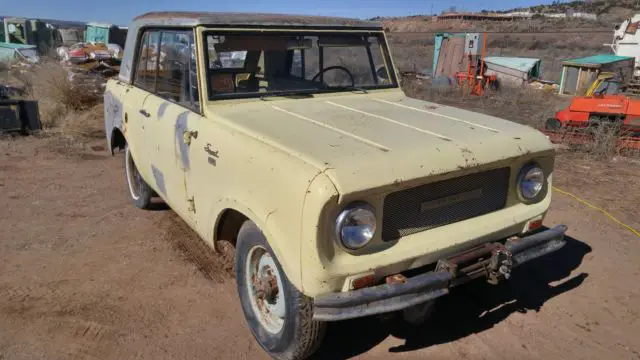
[475,77]
[577,123]
[598,110]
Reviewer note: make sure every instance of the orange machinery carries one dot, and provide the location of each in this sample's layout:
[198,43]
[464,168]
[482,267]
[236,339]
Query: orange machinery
[475,76]
[589,112]
[599,110]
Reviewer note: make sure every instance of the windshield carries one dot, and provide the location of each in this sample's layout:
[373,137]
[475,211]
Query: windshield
[248,65]
[608,88]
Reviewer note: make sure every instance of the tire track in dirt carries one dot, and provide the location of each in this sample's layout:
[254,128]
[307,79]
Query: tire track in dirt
[214,265]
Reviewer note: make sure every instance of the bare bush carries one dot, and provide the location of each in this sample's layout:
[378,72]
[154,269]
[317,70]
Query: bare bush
[606,141]
[88,123]
[50,84]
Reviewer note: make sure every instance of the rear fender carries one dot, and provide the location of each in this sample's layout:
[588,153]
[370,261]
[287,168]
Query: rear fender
[113,111]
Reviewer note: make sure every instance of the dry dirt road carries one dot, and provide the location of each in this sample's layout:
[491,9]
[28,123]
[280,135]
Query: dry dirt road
[84,275]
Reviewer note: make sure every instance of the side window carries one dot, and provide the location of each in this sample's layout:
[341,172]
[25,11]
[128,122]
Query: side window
[147,61]
[177,77]
[297,64]
[167,66]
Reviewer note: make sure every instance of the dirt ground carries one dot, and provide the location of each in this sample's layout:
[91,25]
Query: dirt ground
[85,275]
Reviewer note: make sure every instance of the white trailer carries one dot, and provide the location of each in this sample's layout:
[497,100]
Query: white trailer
[626,40]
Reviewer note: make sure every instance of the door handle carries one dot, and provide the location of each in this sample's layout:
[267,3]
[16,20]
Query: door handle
[144,113]
[188,135]
[210,151]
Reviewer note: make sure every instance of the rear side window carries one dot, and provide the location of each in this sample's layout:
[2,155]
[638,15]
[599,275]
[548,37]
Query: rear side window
[145,75]
[167,66]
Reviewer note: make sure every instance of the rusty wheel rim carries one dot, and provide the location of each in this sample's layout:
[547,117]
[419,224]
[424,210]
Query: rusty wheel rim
[264,285]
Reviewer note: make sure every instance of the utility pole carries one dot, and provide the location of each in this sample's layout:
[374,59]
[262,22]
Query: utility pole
[433,13]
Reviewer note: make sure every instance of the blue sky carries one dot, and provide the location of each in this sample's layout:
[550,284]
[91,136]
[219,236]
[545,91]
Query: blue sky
[122,11]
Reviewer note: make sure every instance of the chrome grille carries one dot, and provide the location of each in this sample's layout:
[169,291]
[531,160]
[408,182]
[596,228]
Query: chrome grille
[441,203]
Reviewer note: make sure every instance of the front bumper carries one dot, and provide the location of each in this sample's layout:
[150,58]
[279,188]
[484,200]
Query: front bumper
[494,261]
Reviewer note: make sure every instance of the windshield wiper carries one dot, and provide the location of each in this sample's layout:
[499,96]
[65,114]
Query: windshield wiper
[347,88]
[302,93]
[357,88]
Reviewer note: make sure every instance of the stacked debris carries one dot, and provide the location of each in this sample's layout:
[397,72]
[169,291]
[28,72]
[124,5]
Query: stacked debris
[90,65]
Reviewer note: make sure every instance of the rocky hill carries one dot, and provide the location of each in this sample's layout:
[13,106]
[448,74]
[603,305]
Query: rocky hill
[607,10]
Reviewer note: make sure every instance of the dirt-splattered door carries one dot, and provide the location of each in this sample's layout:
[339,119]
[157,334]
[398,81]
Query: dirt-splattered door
[172,110]
[452,59]
[169,152]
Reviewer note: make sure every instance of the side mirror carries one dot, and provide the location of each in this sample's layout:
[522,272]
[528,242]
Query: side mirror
[382,73]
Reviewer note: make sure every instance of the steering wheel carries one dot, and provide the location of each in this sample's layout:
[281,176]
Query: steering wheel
[353,81]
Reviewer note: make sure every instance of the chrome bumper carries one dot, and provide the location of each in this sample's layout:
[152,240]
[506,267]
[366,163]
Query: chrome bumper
[494,261]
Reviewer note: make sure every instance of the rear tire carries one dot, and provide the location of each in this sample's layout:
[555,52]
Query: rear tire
[139,191]
[281,321]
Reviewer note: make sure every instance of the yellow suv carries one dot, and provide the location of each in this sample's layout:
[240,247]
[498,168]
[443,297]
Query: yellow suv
[289,136]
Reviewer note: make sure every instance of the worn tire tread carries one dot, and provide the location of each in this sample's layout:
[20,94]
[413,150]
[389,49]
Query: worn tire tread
[308,334]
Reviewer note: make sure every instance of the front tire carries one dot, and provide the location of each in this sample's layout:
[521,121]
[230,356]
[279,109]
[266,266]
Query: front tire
[140,192]
[279,316]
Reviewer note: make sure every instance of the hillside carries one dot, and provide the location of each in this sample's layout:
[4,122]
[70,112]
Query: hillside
[607,10]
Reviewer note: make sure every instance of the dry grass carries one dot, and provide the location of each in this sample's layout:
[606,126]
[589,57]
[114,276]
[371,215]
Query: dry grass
[4,67]
[57,95]
[71,111]
[605,144]
[87,123]
[76,131]
[414,51]
[522,105]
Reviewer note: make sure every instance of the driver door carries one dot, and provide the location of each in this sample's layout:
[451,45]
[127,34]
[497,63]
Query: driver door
[173,110]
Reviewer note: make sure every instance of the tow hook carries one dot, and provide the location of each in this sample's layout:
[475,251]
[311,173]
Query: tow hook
[500,265]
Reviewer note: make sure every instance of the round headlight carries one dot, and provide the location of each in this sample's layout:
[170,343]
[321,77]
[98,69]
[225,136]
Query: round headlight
[531,182]
[355,226]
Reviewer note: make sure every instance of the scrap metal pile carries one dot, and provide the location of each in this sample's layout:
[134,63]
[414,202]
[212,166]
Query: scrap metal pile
[94,62]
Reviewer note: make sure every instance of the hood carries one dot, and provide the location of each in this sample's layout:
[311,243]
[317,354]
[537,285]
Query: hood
[364,141]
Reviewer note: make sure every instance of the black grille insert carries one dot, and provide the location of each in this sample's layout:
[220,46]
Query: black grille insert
[445,202]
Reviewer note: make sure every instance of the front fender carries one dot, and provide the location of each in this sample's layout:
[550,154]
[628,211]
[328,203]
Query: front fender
[287,256]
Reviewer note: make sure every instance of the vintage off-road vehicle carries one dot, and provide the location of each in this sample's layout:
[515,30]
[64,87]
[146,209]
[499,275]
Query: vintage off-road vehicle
[290,138]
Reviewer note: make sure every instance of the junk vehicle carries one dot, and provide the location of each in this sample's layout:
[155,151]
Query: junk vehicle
[68,37]
[290,138]
[105,34]
[29,32]
[18,52]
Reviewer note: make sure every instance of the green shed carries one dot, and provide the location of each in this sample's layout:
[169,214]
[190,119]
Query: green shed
[104,33]
[579,74]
